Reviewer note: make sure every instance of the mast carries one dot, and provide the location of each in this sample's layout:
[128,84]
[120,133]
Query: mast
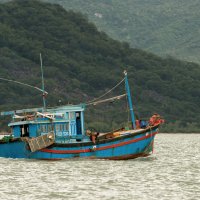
[129,100]
[44,94]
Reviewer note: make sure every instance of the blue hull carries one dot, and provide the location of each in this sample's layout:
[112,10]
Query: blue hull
[128,146]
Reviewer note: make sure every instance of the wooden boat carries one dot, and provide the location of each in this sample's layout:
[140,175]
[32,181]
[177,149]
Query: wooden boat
[59,133]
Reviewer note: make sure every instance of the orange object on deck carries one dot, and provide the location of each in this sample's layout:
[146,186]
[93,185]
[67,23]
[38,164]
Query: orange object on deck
[137,123]
[155,120]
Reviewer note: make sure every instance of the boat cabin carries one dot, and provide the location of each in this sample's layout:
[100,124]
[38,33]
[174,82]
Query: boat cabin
[66,122]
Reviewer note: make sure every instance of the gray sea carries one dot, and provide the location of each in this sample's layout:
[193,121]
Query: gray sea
[172,172]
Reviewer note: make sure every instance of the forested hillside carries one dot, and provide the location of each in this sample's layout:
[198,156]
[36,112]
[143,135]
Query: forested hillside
[164,27]
[81,63]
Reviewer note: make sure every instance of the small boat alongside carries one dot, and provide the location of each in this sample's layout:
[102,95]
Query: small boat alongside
[59,133]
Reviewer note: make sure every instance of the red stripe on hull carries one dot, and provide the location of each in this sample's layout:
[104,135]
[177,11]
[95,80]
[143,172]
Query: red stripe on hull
[97,149]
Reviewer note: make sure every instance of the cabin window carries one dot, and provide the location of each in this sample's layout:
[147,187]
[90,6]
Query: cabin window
[40,127]
[72,115]
[62,127]
[66,126]
[67,115]
[50,128]
[45,128]
[57,127]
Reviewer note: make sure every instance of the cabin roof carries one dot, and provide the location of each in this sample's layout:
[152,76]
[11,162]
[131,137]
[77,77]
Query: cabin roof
[68,108]
[50,115]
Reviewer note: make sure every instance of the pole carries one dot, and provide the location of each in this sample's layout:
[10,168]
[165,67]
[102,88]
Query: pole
[129,100]
[25,84]
[44,94]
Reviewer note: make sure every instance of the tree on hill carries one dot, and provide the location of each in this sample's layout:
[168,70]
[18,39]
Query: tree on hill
[81,63]
[164,27]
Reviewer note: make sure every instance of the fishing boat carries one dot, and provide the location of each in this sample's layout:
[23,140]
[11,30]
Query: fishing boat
[59,133]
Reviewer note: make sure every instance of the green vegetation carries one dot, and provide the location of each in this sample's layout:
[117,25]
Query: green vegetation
[81,63]
[164,27]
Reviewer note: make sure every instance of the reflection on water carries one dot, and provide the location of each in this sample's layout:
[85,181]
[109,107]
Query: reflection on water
[172,172]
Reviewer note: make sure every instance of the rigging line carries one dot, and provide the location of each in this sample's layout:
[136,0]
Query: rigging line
[41,90]
[105,100]
[89,102]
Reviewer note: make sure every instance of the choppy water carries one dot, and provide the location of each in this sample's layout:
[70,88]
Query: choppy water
[173,172]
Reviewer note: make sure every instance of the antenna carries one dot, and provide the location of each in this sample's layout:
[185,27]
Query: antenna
[44,93]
